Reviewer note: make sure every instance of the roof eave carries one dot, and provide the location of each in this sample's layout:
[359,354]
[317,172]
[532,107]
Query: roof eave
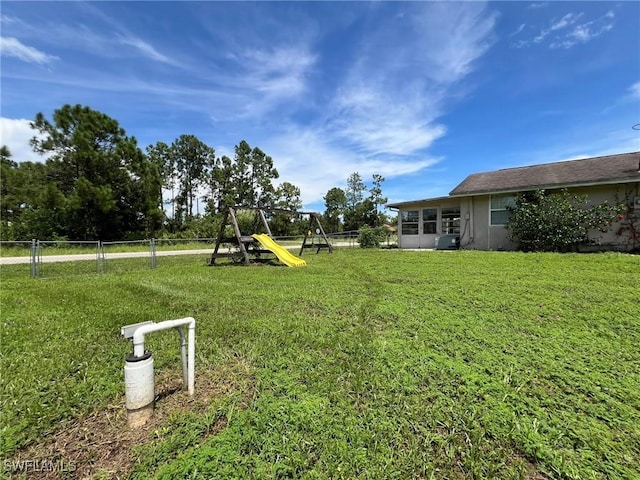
[545,187]
[413,202]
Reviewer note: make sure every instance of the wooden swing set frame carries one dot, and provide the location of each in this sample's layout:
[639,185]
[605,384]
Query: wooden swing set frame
[249,250]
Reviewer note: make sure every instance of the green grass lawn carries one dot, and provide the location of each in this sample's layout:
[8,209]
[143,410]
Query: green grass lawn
[365,364]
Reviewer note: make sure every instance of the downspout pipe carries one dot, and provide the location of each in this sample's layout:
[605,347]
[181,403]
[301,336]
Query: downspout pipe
[190,322]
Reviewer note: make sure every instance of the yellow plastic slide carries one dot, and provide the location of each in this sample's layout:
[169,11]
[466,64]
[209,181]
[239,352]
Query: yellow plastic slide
[284,255]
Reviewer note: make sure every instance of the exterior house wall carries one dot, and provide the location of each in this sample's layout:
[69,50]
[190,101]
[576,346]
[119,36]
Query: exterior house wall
[488,237]
[612,194]
[467,221]
[485,236]
[481,235]
[475,229]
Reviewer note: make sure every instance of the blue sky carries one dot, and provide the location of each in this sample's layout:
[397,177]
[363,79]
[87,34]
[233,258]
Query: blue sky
[424,93]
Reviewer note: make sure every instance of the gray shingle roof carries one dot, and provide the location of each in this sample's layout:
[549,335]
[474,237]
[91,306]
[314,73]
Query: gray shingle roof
[620,168]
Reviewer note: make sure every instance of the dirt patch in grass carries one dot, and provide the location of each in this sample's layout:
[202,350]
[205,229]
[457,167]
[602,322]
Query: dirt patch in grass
[101,444]
[531,472]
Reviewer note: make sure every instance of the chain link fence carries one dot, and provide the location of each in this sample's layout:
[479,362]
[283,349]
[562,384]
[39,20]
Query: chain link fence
[57,258]
[127,255]
[38,258]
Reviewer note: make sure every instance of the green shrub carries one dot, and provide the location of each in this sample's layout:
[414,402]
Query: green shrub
[557,222]
[371,237]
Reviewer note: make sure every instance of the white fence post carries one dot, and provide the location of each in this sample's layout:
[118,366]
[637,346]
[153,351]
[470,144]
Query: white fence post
[153,253]
[33,258]
[102,261]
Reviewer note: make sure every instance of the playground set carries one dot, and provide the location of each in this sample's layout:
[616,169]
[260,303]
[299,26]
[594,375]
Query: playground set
[248,249]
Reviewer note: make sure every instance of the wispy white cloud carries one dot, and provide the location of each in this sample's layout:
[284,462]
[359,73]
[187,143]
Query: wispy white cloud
[114,34]
[6,19]
[587,31]
[256,83]
[281,71]
[146,49]
[379,122]
[538,5]
[635,90]
[104,41]
[305,158]
[568,19]
[453,37]
[518,30]
[106,44]
[389,103]
[12,47]
[569,31]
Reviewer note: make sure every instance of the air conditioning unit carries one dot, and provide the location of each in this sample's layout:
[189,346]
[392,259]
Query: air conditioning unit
[448,242]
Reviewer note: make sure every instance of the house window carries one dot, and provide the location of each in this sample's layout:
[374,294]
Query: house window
[500,209]
[409,222]
[429,220]
[451,220]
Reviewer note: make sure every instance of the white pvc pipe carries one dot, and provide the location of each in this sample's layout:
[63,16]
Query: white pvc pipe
[183,356]
[138,343]
[192,356]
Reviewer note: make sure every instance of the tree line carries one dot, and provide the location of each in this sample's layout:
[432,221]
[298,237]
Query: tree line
[97,183]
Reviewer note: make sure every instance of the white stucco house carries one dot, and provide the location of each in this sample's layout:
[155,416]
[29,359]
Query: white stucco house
[474,214]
